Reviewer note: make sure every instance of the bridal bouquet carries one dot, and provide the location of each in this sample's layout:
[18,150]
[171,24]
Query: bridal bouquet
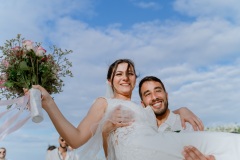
[24,63]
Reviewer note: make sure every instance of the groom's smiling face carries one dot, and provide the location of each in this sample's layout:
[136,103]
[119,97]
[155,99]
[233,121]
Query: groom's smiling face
[155,96]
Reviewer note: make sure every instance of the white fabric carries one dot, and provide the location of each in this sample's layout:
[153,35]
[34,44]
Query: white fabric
[109,91]
[173,123]
[36,105]
[13,117]
[142,141]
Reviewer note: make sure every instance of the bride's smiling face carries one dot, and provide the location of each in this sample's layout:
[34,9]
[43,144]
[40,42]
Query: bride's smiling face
[124,80]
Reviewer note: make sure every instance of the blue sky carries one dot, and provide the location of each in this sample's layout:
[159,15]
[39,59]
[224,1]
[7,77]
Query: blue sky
[193,46]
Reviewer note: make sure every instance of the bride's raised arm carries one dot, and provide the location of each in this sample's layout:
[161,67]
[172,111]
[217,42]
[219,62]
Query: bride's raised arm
[74,136]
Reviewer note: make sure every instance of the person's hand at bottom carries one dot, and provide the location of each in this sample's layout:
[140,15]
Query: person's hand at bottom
[192,153]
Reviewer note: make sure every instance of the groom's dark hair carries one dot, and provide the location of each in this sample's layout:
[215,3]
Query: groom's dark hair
[147,79]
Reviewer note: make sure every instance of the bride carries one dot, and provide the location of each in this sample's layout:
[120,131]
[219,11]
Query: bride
[138,140]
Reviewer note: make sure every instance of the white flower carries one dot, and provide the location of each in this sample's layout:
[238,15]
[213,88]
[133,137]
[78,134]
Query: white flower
[40,51]
[27,44]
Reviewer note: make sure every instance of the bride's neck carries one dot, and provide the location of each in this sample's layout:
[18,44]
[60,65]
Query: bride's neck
[123,97]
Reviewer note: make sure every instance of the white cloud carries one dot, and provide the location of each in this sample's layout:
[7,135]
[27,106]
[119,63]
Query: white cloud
[209,93]
[205,8]
[147,5]
[197,44]
[35,20]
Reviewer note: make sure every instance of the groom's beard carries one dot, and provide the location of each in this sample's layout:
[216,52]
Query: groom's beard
[163,110]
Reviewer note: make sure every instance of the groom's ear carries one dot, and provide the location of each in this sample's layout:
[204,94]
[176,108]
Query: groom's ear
[143,104]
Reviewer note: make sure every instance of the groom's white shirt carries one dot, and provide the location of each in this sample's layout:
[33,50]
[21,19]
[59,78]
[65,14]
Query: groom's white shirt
[173,123]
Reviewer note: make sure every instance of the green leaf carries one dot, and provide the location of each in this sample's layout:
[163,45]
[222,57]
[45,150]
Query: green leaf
[34,79]
[8,84]
[23,66]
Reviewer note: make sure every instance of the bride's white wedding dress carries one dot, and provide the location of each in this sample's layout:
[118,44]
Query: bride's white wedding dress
[142,141]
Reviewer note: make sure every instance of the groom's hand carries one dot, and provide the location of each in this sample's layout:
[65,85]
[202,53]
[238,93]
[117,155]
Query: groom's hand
[192,153]
[187,115]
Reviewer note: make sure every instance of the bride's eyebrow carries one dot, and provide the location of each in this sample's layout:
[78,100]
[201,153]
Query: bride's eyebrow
[118,71]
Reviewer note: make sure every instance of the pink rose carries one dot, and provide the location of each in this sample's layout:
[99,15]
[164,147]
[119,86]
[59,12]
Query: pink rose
[5,63]
[27,44]
[44,59]
[16,48]
[2,83]
[40,51]
[2,80]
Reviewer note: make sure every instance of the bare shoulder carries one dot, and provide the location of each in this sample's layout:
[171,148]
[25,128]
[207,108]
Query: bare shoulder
[101,101]
[100,104]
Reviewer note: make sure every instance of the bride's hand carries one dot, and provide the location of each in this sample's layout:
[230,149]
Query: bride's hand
[46,97]
[119,117]
[188,116]
[26,91]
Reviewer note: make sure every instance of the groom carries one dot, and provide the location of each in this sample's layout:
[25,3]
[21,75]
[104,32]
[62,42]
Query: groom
[152,93]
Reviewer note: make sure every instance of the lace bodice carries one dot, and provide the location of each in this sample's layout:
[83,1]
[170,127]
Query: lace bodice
[144,121]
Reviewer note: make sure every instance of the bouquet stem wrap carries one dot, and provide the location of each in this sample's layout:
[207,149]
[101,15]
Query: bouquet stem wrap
[36,105]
